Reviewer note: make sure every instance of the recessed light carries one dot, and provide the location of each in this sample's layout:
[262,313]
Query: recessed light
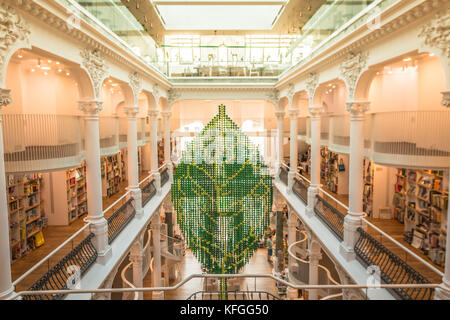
[19,56]
[45,73]
[109,80]
[59,70]
[407,59]
[45,68]
[49,61]
[431,54]
[115,84]
[57,62]
[67,73]
[32,70]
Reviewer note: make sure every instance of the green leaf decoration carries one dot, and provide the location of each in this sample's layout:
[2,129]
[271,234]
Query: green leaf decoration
[222,193]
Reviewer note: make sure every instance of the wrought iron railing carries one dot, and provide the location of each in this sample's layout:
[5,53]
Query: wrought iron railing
[393,270]
[60,276]
[148,192]
[232,295]
[331,216]
[300,189]
[119,219]
[283,175]
[164,176]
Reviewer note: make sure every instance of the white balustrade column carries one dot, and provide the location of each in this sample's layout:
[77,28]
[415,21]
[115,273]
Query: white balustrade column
[279,149]
[313,189]
[166,115]
[137,257]
[133,168]
[293,159]
[99,225]
[314,256]
[154,148]
[356,184]
[6,286]
[156,227]
[443,292]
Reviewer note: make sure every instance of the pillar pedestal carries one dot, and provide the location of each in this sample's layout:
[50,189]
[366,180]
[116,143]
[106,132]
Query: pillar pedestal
[313,190]
[136,194]
[99,227]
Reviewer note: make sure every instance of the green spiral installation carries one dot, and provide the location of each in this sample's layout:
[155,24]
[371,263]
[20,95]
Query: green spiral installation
[222,193]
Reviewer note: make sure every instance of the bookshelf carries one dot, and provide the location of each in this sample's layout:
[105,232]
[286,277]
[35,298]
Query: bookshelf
[305,161]
[76,192]
[113,171]
[368,177]
[334,180]
[420,202]
[160,153]
[25,212]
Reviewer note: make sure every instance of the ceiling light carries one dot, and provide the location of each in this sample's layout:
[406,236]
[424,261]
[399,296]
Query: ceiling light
[334,87]
[115,84]
[330,85]
[45,68]
[67,73]
[109,80]
[378,73]
[49,61]
[45,73]
[431,54]
[407,59]
[59,70]
[33,70]
[19,56]
[57,62]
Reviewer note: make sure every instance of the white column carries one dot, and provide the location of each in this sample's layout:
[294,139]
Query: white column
[133,169]
[6,286]
[136,257]
[292,223]
[99,225]
[280,117]
[166,115]
[353,219]
[314,255]
[156,226]
[154,148]
[313,189]
[293,153]
[443,292]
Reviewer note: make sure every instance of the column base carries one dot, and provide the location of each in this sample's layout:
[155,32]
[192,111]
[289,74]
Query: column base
[8,294]
[158,295]
[99,228]
[347,253]
[170,170]
[352,221]
[313,190]
[291,293]
[290,185]
[157,177]
[136,193]
[442,292]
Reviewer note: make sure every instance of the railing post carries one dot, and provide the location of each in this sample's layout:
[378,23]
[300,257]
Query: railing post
[6,286]
[315,185]
[443,292]
[156,227]
[293,160]
[166,115]
[314,256]
[154,149]
[99,225]
[279,158]
[353,219]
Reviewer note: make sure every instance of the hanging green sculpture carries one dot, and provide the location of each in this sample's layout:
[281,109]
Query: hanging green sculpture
[222,192]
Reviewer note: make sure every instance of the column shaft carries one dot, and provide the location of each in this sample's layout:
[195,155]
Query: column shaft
[133,170]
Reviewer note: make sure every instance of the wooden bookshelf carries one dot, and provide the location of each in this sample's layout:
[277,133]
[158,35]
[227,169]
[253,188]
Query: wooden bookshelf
[76,192]
[333,179]
[25,212]
[368,178]
[420,202]
[113,171]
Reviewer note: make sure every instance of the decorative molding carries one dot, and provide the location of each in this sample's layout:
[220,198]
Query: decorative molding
[156,93]
[445,99]
[280,114]
[13,30]
[357,108]
[90,108]
[166,114]
[153,113]
[351,69]
[293,113]
[312,81]
[96,67]
[274,97]
[135,84]
[173,96]
[5,97]
[290,94]
[436,33]
[315,112]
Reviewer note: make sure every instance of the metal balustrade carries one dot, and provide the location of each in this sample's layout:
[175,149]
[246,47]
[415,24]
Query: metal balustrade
[331,216]
[232,295]
[63,275]
[300,189]
[164,176]
[284,175]
[120,218]
[37,142]
[393,269]
[148,191]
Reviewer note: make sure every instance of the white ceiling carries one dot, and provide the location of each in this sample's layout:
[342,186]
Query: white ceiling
[219,15]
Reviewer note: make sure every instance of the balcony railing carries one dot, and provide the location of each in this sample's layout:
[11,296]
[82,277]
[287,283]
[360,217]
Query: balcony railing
[64,274]
[300,188]
[120,218]
[148,191]
[164,176]
[331,216]
[339,133]
[283,175]
[393,269]
[232,295]
[37,142]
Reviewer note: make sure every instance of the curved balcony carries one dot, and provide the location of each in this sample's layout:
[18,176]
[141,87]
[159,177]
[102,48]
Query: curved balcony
[123,132]
[324,130]
[39,142]
[299,268]
[339,133]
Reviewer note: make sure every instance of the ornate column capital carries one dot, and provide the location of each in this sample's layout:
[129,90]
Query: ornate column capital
[90,107]
[166,114]
[279,114]
[156,93]
[315,112]
[357,108]
[351,69]
[173,96]
[153,113]
[5,97]
[96,68]
[436,33]
[131,111]
[445,99]
[290,94]
[293,113]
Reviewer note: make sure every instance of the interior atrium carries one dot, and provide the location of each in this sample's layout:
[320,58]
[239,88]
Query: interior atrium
[224,149]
